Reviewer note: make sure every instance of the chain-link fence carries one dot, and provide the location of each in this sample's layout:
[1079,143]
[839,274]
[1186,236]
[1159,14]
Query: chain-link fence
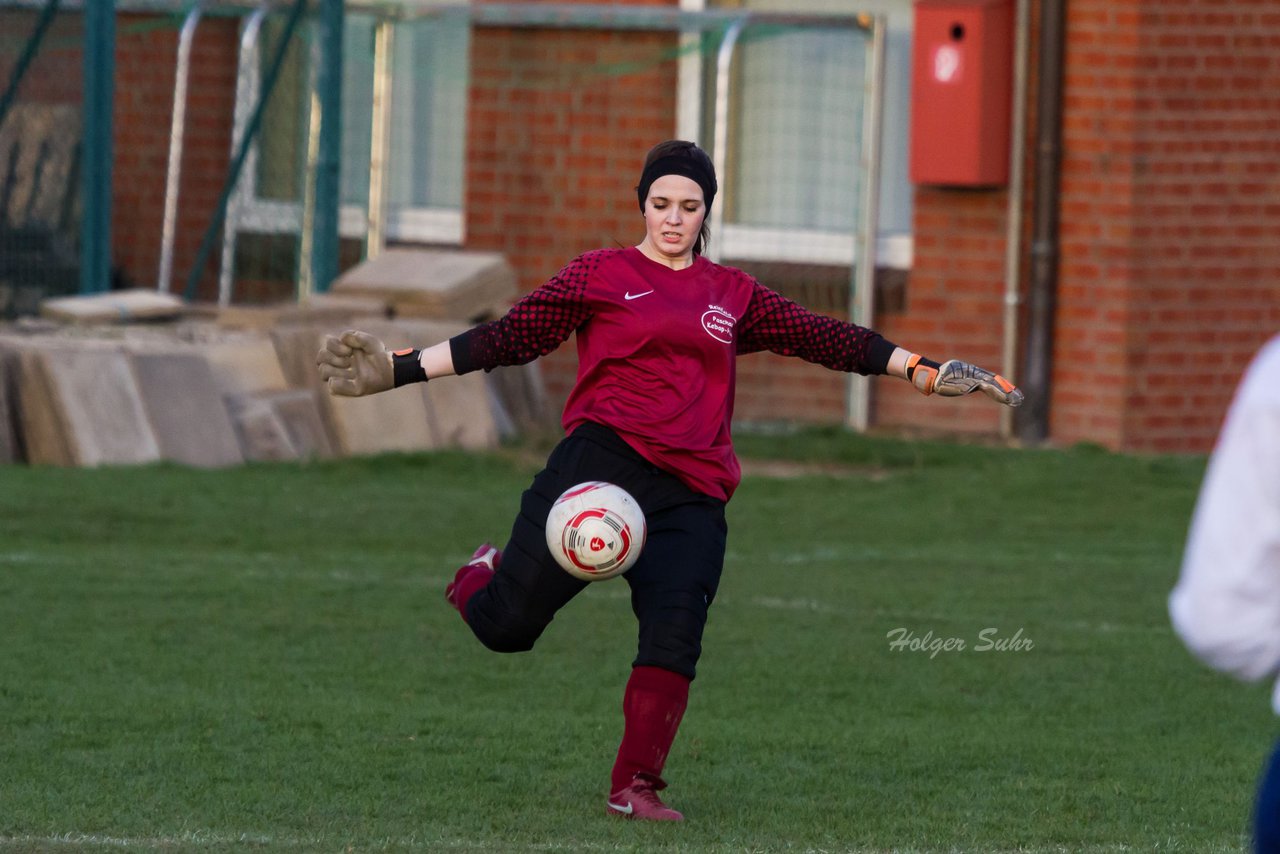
[40,139]
[509,127]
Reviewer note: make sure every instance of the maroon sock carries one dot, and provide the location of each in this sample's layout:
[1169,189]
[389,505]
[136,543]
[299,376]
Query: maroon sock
[651,708]
[469,581]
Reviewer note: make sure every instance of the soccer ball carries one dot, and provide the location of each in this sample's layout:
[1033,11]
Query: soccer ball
[596,530]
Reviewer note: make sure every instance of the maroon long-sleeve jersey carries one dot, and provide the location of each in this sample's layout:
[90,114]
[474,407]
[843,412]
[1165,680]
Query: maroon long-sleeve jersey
[656,351]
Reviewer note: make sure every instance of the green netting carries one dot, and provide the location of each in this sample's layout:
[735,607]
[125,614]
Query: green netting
[792,171]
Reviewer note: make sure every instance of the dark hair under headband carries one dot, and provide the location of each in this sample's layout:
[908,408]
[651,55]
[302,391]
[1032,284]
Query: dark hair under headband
[689,165]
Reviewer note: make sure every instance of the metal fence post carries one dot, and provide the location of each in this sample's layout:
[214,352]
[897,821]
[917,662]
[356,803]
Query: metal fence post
[862,304]
[324,244]
[99,85]
[242,149]
[177,131]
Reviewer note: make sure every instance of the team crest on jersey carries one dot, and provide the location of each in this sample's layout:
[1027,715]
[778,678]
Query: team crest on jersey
[719,323]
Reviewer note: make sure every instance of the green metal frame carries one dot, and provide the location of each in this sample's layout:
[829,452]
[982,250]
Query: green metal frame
[242,152]
[29,52]
[96,150]
[324,241]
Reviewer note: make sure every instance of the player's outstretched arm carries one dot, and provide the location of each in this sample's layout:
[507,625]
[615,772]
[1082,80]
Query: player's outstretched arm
[355,364]
[952,378]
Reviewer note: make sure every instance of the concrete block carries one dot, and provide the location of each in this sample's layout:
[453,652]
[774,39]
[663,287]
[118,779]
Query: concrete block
[299,410]
[463,413]
[393,421]
[276,426]
[296,347]
[94,396]
[244,364]
[186,409]
[10,443]
[458,409]
[43,429]
[476,410]
[330,310]
[113,307]
[519,398]
[434,283]
[262,434]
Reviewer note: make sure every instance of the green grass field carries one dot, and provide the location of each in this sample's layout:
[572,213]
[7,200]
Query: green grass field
[261,659]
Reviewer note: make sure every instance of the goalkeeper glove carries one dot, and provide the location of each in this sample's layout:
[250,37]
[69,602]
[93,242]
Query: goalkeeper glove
[356,363]
[954,378]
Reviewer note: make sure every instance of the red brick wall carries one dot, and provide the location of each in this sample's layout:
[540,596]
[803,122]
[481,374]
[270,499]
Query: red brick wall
[774,388]
[558,124]
[1169,276]
[1170,271]
[145,65]
[1171,267]
[1206,214]
[556,136]
[954,306]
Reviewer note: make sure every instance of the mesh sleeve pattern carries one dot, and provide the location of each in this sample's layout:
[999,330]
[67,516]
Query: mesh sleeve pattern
[779,325]
[537,324]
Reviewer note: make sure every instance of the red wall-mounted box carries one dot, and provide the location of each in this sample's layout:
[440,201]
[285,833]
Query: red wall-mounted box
[962,86]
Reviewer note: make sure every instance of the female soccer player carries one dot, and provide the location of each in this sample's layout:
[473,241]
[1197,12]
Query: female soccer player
[658,329]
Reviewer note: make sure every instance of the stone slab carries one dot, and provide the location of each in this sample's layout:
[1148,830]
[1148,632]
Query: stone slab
[186,409]
[278,426]
[96,394]
[396,421]
[113,307]
[43,429]
[300,412]
[520,400]
[464,412]
[10,445]
[393,421]
[261,432]
[245,364]
[296,348]
[447,284]
[320,309]
[450,403]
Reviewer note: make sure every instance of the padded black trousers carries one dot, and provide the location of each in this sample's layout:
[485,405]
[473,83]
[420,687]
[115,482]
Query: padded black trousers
[672,584]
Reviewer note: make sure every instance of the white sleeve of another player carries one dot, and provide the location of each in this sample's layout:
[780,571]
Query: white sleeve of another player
[1226,605]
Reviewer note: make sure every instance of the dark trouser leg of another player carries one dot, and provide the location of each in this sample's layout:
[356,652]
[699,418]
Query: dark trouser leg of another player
[1266,811]
[672,587]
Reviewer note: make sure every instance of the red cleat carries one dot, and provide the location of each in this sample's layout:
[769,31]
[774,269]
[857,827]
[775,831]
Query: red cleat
[640,801]
[485,560]
[487,556]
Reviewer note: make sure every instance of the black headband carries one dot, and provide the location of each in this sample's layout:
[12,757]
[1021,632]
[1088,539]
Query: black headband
[672,164]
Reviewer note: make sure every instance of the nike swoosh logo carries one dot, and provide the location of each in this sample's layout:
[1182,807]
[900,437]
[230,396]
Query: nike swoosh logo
[627,810]
[630,295]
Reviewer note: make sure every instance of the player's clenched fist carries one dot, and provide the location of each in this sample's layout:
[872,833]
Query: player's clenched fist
[954,378]
[355,364]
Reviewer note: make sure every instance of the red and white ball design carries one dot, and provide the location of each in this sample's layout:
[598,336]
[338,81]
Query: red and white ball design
[596,530]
